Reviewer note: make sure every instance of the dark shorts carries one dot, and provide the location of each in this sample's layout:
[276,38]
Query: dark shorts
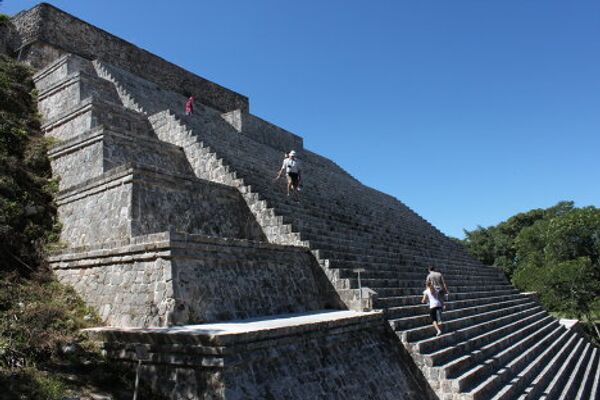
[294,177]
[436,314]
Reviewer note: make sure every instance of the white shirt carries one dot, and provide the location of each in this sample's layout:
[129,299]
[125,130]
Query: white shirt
[291,165]
[433,299]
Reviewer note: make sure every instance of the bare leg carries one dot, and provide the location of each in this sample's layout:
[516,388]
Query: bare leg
[437,328]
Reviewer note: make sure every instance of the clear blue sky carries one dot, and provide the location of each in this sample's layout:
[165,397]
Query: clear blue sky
[467,111]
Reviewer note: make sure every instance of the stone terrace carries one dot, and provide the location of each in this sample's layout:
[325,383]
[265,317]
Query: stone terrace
[175,220]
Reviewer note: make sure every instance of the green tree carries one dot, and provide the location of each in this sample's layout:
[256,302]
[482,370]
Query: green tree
[560,259]
[496,245]
[554,252]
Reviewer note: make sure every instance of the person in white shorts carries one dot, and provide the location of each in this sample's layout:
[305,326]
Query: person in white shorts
[435,307]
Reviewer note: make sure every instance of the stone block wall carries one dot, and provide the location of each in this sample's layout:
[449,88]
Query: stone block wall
[323,366]
[354,358]
[70,91]
[97,210]
[49,33]
[224,281]
[263,132]
[9,38]
[131,290]
[67,65]
[92,112]
[165,202]
[150,280]
[101,150]
[129,201]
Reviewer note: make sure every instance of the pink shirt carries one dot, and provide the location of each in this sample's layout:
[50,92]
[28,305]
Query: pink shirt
[189,105]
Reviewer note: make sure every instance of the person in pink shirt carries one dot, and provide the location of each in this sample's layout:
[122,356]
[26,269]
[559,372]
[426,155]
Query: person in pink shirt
[189,106]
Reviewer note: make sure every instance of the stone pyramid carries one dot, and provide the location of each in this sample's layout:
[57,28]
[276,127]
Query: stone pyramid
[224,287]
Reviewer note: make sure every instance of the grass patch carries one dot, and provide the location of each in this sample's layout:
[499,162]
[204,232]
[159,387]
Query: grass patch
[43,354]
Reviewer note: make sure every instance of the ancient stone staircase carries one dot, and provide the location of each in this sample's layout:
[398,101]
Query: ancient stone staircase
[498,343]
[125,196]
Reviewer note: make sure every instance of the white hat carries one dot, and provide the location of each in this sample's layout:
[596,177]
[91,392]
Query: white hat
[292,153]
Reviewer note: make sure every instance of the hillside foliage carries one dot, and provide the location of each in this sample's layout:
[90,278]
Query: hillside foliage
[554,252]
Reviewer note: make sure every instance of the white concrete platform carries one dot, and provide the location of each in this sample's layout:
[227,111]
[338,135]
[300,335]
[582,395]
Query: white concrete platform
[269,326]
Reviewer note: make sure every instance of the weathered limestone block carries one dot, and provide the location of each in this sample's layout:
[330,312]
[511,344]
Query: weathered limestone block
[67,65]
[93,112]
[263,132]
[129,201]
[98,210]
[71,91]
[124,293]
[350,358]
[50,33]
[187,279]
[222,282]
[9,39]
[101,150]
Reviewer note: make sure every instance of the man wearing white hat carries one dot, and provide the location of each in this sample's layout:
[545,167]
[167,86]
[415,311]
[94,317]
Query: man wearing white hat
[292,168]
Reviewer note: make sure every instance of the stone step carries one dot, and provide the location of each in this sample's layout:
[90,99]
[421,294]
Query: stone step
[453,327]
[408,323]
[323,212]
[321,235]
[396,292]
[456,360]
[331,236]
[495,358]
[398,273]
[557,383]
[414,299]
[404,271]
[408,270]
[595,388]
[493,384]
[391,287]
[530,382]
[477,328]
[384,284]
[360,257]
[576,375]
[409,311]
[316,223]
[340,235]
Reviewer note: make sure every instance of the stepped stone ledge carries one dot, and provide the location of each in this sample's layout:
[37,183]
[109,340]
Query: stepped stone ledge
[202,268]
